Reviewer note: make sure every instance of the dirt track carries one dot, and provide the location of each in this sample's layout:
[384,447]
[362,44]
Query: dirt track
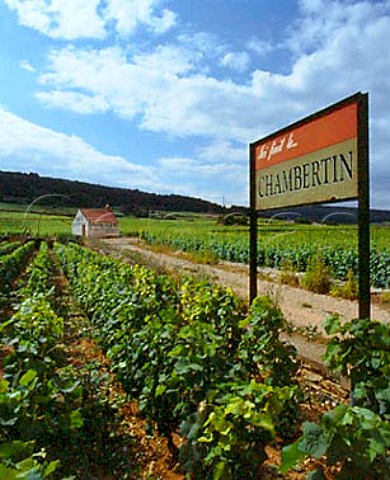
[302,309]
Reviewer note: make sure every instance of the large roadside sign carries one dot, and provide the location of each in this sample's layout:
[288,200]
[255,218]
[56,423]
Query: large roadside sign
[314,160]
[320,159]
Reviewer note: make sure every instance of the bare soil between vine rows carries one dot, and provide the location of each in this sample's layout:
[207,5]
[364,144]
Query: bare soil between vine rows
[151,453]
[320,393]
[303,310]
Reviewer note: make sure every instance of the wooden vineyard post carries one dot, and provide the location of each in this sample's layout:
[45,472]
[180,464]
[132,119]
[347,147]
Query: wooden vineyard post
[252,229]
[364,210]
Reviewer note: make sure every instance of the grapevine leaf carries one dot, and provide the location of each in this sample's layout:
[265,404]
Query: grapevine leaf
[291,455]
[15,448]
[220,472]
[4,384]
[51,468]
[7,473]
[27,378]
[8,423]
[384,395]
[76,420]
[332,324]
[160,390]
[313,440]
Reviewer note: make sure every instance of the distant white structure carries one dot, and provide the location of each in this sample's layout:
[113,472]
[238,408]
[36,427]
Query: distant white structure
[95,222]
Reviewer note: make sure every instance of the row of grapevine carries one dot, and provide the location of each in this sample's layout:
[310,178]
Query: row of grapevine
[8,247]
[198,366]
[48,403]
[37,390]
[39,275]
[340,259]
[190,356]
[12,264]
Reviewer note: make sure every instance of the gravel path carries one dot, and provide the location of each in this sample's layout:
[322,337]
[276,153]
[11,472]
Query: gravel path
[302,309]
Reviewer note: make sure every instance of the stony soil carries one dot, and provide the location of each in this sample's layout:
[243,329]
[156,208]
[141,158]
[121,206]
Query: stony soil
[303,310]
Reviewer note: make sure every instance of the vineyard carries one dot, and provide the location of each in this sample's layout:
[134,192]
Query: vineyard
[34,223]
[210,240]
[281,248]
[211,378]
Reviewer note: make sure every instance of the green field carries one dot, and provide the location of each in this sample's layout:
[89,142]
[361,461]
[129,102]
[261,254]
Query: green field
[203,228]
[37,224]
[279,243]
[208,229]
[205,236]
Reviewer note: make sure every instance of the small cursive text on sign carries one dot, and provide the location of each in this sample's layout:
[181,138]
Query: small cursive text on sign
[268,151]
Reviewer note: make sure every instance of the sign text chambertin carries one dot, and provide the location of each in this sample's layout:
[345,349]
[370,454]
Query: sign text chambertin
[311,161]
[320,159]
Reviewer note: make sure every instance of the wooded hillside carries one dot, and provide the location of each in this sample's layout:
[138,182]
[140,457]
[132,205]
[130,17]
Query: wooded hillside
[24,188]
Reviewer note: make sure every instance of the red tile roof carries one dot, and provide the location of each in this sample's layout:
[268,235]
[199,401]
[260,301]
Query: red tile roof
[99,215]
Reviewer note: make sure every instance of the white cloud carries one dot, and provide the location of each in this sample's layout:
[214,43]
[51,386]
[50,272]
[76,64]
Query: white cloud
[188,167]
[163,88]
[168,90]
[66,19]
[128,88]
[177,164]
[27,147]
[165,22]
[74,19]
[26,65]
[76,101]
[261,47]
[324,20]
[208,50]
[216,180]
[217,171]
[101,73]
[337,48]
[38,149]
[129,14]
[166,60]
[354,57]
[238,61]
[223,150]
[206,44]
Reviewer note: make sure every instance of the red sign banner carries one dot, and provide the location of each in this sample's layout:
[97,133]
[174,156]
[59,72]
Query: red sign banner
[311,161]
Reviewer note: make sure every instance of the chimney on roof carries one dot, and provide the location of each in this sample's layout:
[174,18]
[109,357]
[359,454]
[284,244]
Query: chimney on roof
[108,207]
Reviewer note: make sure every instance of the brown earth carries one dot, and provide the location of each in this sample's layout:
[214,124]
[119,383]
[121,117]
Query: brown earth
[303,310]
[152,452]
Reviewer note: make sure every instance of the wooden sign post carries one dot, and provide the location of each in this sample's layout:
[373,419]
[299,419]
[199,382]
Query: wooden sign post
[322,158]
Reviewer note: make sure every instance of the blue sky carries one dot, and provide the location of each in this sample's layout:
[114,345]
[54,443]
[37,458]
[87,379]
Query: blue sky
[166,95]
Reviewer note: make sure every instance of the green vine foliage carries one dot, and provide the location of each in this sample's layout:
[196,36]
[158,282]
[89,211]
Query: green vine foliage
[361,350]
[179,347]
[261,350]
[8,247]
[340,260]
[11,265]
[227,436]
[39,275]
[39,397]
[267,358]
[20,462]
[357,436]
[317,277]
[350,290]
